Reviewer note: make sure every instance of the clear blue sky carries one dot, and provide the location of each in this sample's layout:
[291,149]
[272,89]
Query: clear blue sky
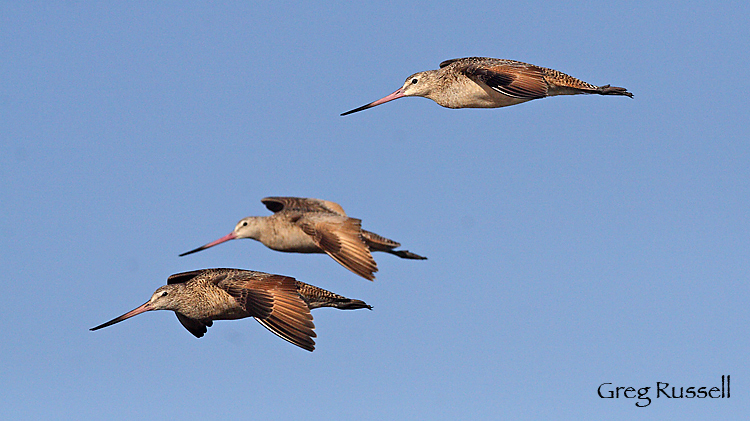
[572,241]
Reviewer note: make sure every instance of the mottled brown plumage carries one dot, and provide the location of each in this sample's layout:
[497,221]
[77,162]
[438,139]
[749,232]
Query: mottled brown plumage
[482,82]
[304,225]
[280,303]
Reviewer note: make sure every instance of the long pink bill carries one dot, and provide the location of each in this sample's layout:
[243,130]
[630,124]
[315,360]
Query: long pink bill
[230,236]
[142,309]
[396,95]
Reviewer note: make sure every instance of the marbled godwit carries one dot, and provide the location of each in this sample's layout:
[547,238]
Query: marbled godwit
[481,82]
[302,225]
[280,303]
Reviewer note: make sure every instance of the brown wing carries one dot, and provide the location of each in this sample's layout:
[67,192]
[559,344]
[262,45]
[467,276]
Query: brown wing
[512,78]
[278,204]
[341,239]
[274,302]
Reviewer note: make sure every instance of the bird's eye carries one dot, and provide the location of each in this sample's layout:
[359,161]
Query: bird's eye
[164,294]
[414,81]
[244,224]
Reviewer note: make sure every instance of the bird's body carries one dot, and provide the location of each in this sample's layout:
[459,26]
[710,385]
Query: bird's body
[304,225]
[482,82]
[280,303]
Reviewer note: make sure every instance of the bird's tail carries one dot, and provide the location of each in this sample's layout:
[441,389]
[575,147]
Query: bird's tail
[351,304]
[613,90]
[563,84]
[406,254]
[318,297]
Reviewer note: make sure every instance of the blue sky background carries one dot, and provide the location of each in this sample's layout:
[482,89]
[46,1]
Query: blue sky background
[572,241]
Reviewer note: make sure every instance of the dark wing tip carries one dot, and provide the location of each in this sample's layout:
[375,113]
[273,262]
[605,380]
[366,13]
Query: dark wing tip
[273,204]
[448,62]
[196,327]
[182,277]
